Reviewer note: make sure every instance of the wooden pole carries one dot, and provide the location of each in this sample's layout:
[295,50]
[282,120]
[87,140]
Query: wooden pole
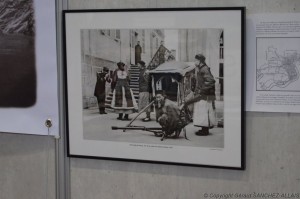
[144,109]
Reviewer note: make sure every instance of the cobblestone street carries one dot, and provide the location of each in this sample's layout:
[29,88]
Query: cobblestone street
[98,127]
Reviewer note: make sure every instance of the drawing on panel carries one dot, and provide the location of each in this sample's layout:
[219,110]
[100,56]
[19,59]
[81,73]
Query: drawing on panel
[278,64]
[17,54]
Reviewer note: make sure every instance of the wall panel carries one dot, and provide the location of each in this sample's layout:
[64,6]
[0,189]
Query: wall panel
[27,162]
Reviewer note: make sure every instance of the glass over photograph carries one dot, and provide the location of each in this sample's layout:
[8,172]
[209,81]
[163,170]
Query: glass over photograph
[163,89]
[153,86]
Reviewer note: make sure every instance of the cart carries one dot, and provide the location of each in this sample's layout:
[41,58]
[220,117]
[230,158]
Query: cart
[174,80]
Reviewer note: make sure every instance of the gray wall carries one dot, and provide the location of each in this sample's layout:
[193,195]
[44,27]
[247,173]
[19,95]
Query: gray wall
[27,167]
[272,144]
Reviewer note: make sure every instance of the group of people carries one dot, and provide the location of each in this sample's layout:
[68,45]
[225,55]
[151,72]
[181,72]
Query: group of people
[124,103]
[172,118]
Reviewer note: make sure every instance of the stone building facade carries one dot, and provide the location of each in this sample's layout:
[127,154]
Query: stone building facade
[105,48]
[208,42]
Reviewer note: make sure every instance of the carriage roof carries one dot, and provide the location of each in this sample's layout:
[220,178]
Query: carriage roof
[174,67]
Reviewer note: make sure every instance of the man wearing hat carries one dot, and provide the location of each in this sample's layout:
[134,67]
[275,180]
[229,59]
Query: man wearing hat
[204,97]
[102,78]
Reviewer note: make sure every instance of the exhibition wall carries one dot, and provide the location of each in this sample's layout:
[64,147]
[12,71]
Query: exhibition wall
[29,163]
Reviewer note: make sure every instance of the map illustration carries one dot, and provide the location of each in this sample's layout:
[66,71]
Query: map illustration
[278,70]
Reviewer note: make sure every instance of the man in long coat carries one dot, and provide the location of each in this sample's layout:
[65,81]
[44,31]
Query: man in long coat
[138,52]
[99,92]
[204,97]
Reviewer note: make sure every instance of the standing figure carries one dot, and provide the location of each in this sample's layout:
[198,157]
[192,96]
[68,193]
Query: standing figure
[204,97]
[102,78]
[144,89]
[138,52]
[123,101]
[162,53]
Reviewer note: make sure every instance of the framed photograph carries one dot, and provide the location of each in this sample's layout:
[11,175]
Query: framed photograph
[156,85]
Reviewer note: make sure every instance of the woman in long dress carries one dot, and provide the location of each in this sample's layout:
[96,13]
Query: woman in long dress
[123,101]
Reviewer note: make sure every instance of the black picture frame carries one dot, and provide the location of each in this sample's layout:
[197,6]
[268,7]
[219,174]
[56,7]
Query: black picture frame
[94,45]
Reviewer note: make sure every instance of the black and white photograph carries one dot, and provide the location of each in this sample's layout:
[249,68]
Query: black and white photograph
[17,54]
[147,92]
[28,67]
[147,86]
